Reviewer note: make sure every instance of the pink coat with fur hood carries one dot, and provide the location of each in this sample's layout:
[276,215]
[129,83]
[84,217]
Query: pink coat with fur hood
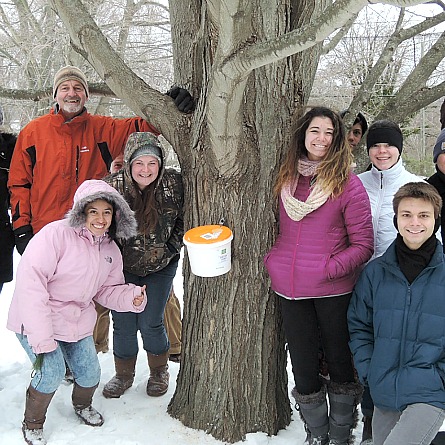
[322,254]
[64,269]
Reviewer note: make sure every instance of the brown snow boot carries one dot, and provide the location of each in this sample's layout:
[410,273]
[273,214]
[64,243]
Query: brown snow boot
[82,399]
[124,378]
[35,414]
[157,384]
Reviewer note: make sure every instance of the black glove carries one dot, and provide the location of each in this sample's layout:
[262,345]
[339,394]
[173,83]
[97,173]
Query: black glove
[183,99]
[22,236]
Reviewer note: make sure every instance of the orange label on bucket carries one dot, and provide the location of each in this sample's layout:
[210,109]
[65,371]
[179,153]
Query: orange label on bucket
[207,234]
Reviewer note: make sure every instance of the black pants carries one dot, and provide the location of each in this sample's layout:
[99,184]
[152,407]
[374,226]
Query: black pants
[304,321]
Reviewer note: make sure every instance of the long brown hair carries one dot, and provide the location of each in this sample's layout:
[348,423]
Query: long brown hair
[146,207]
[333,171]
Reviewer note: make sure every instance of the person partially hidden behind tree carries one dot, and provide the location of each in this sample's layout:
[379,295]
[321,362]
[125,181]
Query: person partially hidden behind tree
[396,321]
[355,133]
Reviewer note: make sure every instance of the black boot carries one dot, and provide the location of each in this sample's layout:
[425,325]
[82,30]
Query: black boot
[313,410]
[343,415]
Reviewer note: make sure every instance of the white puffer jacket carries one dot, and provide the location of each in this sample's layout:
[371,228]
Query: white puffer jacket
[381,187]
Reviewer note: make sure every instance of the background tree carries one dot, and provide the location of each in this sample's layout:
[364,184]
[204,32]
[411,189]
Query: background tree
[252,66]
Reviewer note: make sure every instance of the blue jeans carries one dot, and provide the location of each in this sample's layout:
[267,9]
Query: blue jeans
[417,424]
[150,322]
[80,356]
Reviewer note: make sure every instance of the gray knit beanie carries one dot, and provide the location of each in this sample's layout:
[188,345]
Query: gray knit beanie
[144,143]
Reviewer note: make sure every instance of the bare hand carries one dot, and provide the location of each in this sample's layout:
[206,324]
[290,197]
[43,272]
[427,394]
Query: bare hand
[137,301]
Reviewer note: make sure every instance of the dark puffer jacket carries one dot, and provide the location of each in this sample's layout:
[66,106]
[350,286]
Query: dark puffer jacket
[150,253]
[398,332]
[7,143]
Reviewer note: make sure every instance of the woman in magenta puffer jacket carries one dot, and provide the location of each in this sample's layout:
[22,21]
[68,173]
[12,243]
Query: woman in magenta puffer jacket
[325,238]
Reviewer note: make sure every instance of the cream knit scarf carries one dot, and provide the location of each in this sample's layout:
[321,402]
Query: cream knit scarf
[296,209]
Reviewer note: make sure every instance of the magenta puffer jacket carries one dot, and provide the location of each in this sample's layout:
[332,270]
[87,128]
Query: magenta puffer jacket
[61,272]
[323,254]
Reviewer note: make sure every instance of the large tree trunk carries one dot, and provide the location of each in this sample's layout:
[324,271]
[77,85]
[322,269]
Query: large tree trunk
[233,376]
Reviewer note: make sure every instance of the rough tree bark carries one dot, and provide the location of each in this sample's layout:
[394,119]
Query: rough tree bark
[251,64]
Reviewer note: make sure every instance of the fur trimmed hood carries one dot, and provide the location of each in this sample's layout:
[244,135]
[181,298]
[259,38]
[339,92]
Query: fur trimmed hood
[91,190]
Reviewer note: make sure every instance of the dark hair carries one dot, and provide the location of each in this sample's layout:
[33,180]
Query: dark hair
[333,171]
[145,206]
[113,226]
[360,119]
[418,190]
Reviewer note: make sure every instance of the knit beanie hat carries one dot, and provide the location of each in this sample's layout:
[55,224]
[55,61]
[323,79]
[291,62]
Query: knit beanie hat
[385,132]
[439,147]
[143,143]
[69,73]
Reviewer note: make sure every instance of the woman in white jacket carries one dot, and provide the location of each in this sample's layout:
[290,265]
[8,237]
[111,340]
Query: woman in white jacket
[386,176]
[67,266]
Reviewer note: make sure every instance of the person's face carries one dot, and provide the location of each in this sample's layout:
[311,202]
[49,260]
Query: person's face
[117,164]
[441,162]
[71,97]
[355,135]
[415,221]
[318,137]
[99,215]
[145,170]
[383,156]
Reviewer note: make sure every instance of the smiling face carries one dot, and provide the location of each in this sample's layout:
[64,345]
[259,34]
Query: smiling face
[144,170]
[415,221]
[71,98]
[99,215]
[383,156]
[318,138]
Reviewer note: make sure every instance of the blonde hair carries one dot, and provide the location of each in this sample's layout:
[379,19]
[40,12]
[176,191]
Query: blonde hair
[334,170]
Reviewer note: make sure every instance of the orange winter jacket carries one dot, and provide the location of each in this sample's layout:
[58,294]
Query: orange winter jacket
[53,157]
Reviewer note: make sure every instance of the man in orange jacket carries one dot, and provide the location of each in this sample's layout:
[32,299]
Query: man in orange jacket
[56,152]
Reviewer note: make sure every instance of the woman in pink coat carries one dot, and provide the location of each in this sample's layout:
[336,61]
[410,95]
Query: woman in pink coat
[325,238]
[67,266]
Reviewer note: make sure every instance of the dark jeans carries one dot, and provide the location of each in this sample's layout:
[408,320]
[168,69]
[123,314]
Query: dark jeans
[150,322]
[305,320]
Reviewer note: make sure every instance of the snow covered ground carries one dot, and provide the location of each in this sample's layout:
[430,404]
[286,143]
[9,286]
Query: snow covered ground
[134,419]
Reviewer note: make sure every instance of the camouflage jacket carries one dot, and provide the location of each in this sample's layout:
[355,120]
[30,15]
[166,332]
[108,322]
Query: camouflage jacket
[149,253]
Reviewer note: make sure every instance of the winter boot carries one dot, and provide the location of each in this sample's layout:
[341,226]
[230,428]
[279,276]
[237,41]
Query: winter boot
[343,414]
[367,431]
[157,384]
[123,379]
[82,399]
[35,414]
[314,413]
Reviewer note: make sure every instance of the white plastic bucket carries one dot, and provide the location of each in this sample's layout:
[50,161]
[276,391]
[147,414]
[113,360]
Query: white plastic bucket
[209,249]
